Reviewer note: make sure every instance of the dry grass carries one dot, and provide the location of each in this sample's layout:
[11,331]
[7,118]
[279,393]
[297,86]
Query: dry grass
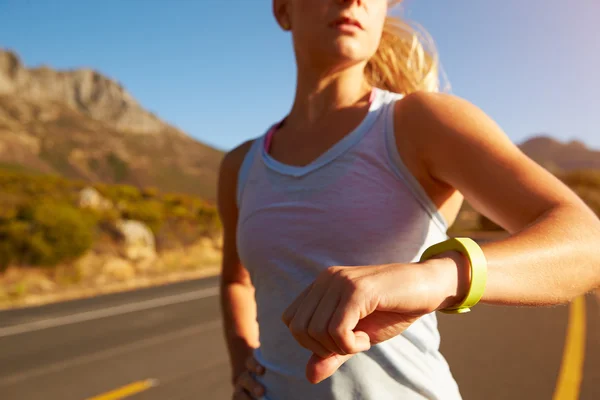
[88,277]
[8,301]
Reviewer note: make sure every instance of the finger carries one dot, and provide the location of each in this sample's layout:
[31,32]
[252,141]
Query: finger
[289,313]
[253,365]
[341,328]
[299,324]
[319,369]
[318,328]
[248,383]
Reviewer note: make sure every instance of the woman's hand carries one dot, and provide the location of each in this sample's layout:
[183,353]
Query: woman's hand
[246,387]
[348,309]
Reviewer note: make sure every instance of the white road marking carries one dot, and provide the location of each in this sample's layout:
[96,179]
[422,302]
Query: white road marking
[107,312]
[104,354]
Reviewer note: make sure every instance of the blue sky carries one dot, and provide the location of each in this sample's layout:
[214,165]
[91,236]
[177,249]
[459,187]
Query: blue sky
[222,71]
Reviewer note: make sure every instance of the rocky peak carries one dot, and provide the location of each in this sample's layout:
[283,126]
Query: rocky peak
[84,90]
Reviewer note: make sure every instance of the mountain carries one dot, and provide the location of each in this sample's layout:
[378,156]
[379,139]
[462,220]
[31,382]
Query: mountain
[556,155]
[83,125]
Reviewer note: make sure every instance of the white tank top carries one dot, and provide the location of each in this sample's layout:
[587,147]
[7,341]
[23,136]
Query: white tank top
[357,204]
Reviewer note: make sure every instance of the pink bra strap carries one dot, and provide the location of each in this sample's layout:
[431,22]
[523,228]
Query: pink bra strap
[269,137]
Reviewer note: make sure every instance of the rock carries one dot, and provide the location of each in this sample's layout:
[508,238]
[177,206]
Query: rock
[118,269]
[89,265]
[91,198]
[139,243]
[145,264]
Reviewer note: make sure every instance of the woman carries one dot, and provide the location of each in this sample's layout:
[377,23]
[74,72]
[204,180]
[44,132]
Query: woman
[326,216]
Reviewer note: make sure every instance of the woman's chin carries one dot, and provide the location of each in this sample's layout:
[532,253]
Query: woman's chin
[346,52]
[349,48]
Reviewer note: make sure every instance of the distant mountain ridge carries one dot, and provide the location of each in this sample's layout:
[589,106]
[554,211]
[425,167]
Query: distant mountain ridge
[82,125]
[554,154]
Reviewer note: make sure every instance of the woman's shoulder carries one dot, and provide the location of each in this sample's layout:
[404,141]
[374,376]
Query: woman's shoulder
[451,135]
[434,105]
[233,159]
[436,117]
[230,167]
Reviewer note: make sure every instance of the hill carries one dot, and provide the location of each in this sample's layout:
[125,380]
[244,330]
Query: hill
[82,125]
[556,155]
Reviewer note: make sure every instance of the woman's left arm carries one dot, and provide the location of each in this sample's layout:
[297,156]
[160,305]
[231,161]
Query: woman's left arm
[553,251]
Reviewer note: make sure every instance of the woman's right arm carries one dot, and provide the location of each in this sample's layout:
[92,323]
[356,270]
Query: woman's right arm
[238,305]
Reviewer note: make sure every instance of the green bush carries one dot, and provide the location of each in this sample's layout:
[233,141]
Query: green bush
[173,200]
[68,230]
[181,212]
[209,220]
[6,253]
[26,211]
[118,193]
[149,192]
[14,236]
[9,206]
[48,234]
[55,230]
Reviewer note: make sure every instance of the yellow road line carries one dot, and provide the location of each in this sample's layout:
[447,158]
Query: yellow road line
[125,391]
[571,370]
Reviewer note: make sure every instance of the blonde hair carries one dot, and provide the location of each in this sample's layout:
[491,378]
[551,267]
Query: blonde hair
[406,60]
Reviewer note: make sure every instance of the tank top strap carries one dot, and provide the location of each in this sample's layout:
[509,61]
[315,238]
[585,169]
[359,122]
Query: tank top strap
[400,169]
[246,167]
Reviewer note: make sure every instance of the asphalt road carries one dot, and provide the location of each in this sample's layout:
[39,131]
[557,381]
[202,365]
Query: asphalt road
[166,343]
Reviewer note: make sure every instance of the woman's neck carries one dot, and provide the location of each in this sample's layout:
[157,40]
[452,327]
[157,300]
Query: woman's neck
[320,94]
